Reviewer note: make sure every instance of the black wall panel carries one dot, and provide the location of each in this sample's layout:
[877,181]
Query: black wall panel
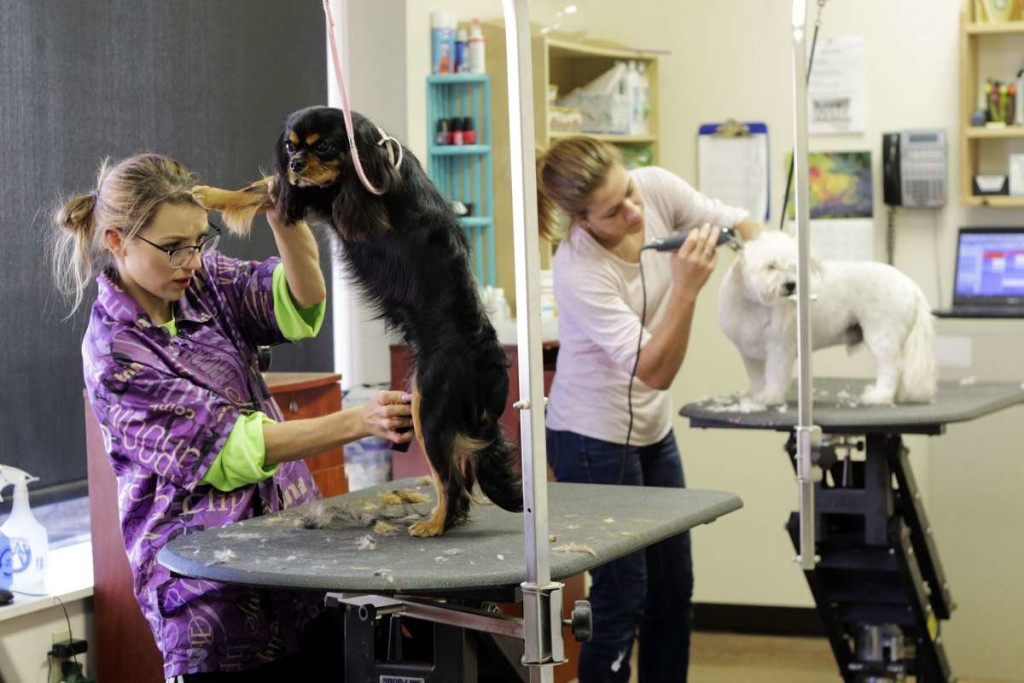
[208,82]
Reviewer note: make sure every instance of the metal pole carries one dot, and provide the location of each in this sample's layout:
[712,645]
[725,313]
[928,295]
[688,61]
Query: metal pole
[541,599]
[808,435]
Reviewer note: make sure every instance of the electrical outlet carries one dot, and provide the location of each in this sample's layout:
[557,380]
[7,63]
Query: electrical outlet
[60,637]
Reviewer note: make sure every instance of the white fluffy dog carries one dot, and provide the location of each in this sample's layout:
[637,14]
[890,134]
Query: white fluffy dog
[855,302]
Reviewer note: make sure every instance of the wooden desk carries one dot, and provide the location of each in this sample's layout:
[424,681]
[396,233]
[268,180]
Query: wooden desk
[124,649]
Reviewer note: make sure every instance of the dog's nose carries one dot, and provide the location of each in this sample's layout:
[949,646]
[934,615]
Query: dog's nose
[297,164]
[789,288]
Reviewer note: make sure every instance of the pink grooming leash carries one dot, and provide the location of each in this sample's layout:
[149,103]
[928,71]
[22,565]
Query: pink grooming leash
[347,113]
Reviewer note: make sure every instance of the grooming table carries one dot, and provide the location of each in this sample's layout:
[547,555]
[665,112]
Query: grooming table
[482,560]
[878,582]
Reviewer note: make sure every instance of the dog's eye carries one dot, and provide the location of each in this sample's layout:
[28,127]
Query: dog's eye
[289,147]
[322,147]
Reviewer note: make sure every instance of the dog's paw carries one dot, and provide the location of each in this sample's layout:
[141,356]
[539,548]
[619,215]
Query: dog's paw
[426,529]
[873,396]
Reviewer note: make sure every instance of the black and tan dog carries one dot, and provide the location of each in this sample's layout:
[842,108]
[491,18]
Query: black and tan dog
[408,254]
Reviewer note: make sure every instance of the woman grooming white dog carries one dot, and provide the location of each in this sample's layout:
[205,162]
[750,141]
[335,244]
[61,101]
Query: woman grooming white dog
[605,337]
[855,301]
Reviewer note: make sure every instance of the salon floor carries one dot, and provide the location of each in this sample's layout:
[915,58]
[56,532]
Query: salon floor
[732,657]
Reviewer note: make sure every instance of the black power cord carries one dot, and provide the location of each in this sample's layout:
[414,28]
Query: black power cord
[71,671]
[632,374]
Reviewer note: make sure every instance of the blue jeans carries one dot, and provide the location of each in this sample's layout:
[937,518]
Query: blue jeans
[646,594]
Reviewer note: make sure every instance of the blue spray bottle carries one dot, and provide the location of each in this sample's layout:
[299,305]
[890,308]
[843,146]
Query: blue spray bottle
[6,571]
[29,543]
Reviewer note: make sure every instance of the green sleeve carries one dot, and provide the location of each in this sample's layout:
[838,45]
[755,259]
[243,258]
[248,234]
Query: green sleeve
[295,324]
[241,461]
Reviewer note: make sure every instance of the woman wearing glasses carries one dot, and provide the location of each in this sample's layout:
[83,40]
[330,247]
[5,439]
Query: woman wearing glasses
[192,433]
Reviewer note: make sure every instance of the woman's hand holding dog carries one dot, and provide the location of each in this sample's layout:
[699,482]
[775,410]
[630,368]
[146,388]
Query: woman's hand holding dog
[389,416]
[693,263]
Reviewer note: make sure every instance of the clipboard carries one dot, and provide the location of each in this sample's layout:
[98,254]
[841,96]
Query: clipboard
[732,164]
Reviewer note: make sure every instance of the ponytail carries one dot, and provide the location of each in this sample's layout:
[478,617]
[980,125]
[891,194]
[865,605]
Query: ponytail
[74,248]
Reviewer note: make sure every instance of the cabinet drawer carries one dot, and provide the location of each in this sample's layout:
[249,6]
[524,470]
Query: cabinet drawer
[305,403]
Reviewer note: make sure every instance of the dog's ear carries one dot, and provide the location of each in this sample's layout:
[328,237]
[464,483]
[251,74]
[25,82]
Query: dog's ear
[359,211]
[285,195]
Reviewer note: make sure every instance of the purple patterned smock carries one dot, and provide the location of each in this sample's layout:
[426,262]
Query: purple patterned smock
[165,406]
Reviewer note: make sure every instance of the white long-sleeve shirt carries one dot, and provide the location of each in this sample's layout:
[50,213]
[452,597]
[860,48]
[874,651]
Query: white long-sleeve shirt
[600,299]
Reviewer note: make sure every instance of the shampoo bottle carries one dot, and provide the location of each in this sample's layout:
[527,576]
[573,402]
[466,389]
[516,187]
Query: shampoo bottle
[477,61]
[29,542]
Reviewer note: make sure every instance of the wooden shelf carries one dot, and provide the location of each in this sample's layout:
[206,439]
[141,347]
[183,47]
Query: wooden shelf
[996,201]
[565,48]
[974,155]
[995,133]
[608,137]
[989,28]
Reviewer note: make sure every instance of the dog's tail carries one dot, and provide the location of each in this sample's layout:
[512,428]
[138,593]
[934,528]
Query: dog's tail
[238,208]
[494,468]
[917,382]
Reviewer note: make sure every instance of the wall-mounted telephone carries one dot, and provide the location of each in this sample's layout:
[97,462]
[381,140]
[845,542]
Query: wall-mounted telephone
[914,168]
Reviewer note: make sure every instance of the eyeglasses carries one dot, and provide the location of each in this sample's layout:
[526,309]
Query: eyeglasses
[179,257]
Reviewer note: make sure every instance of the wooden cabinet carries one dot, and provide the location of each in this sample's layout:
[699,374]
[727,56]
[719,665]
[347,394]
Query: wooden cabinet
[124,649]
[312,394]
[987,50]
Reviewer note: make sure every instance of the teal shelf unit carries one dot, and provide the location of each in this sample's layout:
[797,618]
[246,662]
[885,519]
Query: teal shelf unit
[463,172]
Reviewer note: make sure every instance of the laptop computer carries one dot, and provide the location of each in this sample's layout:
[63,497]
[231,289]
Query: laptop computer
[988,280]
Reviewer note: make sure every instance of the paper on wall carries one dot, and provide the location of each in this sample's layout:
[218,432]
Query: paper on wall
[837,90]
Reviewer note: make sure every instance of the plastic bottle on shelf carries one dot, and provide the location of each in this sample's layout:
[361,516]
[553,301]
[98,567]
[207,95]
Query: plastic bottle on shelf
[645,99]
[548,307]
[634,93]
[29,542]
[461,51]
[442,41]
[477,63]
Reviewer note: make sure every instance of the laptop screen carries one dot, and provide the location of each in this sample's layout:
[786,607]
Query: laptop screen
[990,266]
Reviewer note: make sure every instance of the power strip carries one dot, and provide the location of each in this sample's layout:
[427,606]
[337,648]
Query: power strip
[66,649]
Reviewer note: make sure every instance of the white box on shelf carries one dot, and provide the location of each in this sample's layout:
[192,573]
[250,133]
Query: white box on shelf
[1017,175]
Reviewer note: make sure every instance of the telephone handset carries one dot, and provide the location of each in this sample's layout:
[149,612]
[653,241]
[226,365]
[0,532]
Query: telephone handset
[914,168]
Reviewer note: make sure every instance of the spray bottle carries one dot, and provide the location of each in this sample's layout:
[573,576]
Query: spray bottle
[6,573]
[28,539]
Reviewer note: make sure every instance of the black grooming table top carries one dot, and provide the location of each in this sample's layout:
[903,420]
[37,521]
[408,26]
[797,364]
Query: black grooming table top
[837,409]
[590,525]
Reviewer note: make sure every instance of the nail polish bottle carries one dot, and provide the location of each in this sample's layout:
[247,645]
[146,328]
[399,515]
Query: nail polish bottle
[457,131]
[468,134]
[441,136]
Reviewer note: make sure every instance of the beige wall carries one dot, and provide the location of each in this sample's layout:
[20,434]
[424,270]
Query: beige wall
[732,58]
